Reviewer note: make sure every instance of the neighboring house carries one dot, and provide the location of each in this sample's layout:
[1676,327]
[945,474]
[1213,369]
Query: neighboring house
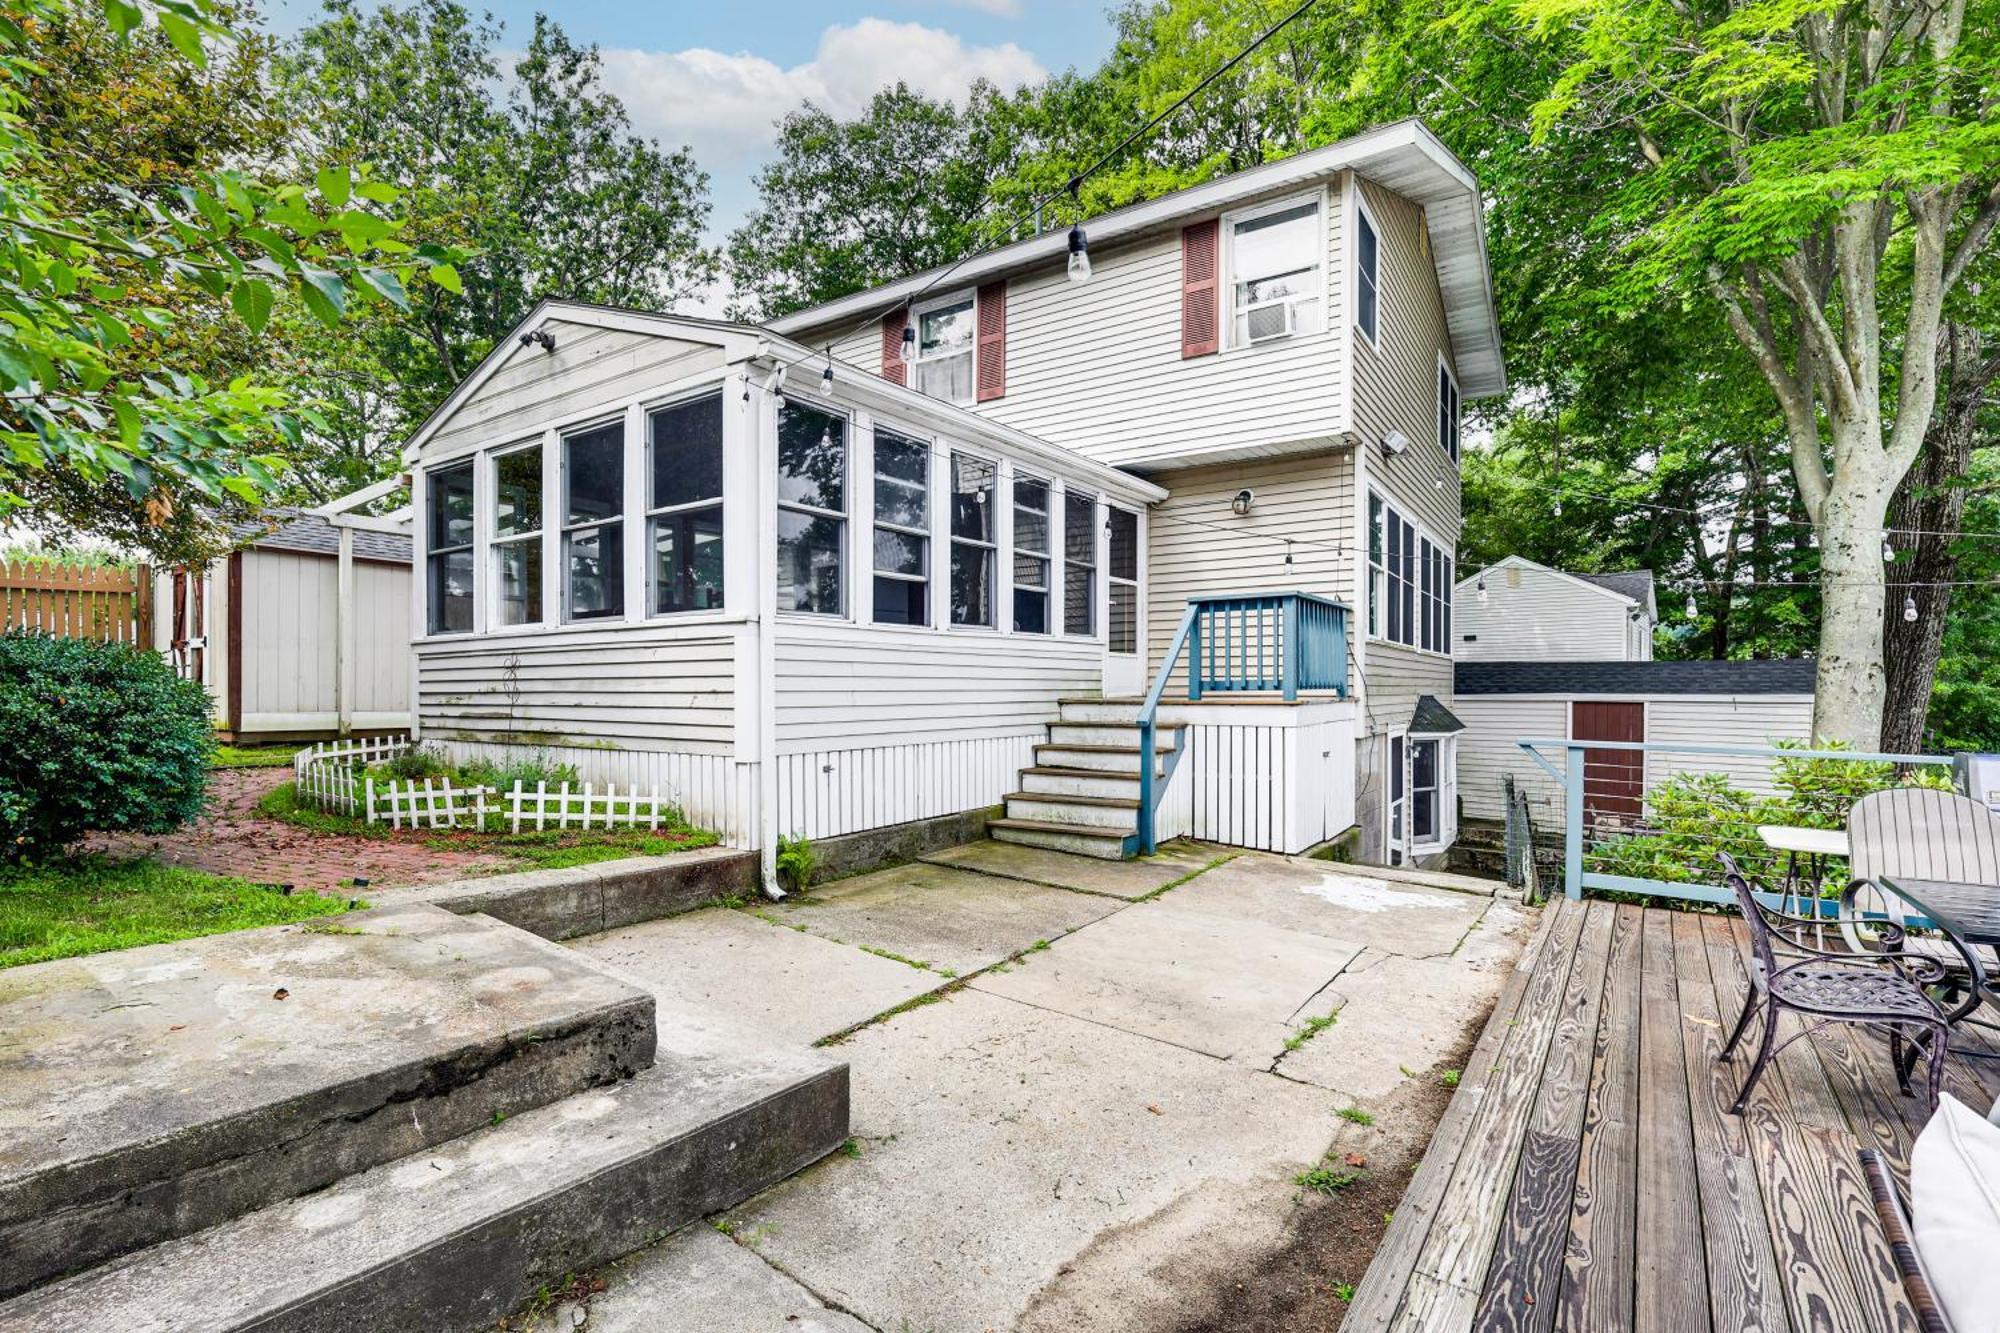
[921,587]
[1747,703]
[1519,611]
[293,640]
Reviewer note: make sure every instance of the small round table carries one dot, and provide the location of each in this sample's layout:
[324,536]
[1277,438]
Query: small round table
[1813,844]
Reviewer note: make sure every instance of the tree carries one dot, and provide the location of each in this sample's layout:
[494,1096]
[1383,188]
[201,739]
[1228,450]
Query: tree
[109,291]
[535,173]
[1825,176]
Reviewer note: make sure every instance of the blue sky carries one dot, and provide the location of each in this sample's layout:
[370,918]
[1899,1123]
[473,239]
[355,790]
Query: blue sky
[716,75]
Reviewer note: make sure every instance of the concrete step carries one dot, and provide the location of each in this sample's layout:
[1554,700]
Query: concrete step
[1104,844]
[1047,781]
[1098,758]
[455,1237]
[1106,812]
[1099,712]
[1124,737]
[151,1093]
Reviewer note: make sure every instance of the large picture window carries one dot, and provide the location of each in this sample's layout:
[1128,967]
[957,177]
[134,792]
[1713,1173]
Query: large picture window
[449,553]
[902,529]
[1079,563]
[684,505]
[1409,582]
[972,540]
[1367,273]
[593,539]
[517,534]
[1274,269]
[1122,625]
[945,350]
[1031,556]
[812,510]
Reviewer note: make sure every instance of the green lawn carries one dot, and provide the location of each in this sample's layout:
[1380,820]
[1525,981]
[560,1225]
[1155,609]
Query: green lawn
[252,756]
[90,905]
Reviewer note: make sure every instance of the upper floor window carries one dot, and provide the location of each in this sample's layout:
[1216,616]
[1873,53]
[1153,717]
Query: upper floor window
[1447,411]
[1410,579]
[450,549]
[684,505]
[1274,261]
[1367,272]
[812,510]
[945,349]
[593,538]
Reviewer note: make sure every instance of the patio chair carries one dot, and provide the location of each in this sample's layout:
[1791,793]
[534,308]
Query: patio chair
[1824,988]
[1915,833]
[1892,1209]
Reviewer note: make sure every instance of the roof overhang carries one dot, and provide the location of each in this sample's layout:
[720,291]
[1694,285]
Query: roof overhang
[1404,157]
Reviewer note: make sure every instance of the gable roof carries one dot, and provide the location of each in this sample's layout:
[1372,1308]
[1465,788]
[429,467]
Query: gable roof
[1403,156]
[313,534]
[1787,676]
[1636,584]
[1633,586]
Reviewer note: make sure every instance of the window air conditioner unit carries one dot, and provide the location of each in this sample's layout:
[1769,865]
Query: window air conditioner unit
[1273,319]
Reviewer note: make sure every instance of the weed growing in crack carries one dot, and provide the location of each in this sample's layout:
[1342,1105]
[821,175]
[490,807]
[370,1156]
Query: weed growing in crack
[1324,1179]
[1355,1115]
[895,957]
[1449,1078]
[1313,1026]
[1344,1292]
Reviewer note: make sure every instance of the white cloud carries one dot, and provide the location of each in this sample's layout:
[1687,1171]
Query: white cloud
[726,107]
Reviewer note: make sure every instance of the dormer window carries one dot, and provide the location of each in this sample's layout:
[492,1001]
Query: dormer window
[1274,258]
[944,349]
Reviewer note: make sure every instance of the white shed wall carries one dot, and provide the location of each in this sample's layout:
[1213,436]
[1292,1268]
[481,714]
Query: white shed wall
[1538,615]
[289,652]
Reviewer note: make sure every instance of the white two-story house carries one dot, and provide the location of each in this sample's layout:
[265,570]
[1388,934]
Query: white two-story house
[943,545]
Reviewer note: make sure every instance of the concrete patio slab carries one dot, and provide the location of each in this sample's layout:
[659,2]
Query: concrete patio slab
[998,1142]
[1120,879]
[735,966]
[951,920]
[1224,986]
[1345,903]
[699,1280]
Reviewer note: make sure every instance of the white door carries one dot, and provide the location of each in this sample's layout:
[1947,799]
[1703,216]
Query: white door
[1124,624]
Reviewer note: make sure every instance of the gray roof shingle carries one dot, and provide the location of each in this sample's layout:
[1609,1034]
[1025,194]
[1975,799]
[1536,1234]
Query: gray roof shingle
[1779,676]
[1634,583]
[1433,718]
[299,530]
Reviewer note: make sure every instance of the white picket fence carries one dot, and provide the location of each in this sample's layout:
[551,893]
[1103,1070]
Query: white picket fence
[587,808]
[326,773]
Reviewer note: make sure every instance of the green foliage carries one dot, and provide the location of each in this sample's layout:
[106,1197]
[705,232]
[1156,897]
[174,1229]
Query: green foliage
[528,770]
[796,863]
[91,288]
[90,905]
[412,765]
[252,756]
[95,736]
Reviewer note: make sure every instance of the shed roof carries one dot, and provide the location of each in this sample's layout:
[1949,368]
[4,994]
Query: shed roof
[313,534]
[1433,718]
[1786,676]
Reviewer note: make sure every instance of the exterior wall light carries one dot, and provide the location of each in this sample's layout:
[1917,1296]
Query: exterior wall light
[1240,506]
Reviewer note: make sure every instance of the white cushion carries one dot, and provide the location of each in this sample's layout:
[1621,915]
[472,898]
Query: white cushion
[1955,1213]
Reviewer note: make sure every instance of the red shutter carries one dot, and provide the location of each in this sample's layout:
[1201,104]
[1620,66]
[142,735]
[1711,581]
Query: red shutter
[892,347]
[1199,317]
[990,355]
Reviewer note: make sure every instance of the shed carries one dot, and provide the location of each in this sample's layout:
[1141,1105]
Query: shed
[1515,610]
[300,633]
[1756,703]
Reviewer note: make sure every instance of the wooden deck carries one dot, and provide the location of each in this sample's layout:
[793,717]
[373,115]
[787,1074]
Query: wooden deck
[1587,1174]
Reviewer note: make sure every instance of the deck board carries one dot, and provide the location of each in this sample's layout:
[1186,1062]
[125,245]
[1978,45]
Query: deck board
[1587,1174]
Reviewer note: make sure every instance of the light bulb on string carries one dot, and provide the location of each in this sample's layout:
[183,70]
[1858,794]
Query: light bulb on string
[1693,610]
[1888,552]
[1482,589]
[1910,608]
[1079,244]
[909,348]
[1558,508]
[826,376]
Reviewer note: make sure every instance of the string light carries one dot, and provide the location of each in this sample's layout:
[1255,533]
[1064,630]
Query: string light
[1558,510]
[908,351]
[1692,609]
[826,376]
[1910,609]
[1079,244]
[1482,587]
[1888,552]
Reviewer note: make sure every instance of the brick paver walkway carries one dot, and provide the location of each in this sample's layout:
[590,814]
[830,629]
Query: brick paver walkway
[231,838]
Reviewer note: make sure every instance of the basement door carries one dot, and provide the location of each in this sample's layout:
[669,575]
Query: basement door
[1613,780]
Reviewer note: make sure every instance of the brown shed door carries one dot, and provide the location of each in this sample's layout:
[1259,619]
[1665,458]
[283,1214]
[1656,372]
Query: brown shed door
[1613,780]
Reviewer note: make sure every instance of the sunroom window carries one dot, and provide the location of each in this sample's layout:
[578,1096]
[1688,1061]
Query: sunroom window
[517,534]
[1079,563]
[902,529]
[972,540]
[1031,556]
[1274,268]
[450,550]
[684,506]
[593,539]
[812,510]
[944,350]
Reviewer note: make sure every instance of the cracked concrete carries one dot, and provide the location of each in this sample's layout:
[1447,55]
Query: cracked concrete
[1129,1105]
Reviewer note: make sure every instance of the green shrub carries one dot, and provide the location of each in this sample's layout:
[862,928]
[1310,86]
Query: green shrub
[528,769]
[412,765]
[796,863]
[95,736]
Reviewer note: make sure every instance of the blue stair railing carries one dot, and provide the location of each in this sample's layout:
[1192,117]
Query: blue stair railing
[1261,642]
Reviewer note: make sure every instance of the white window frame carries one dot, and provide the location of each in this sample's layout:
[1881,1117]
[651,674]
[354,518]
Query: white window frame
[495,542]
[1114,580]
[844,516]
[1363,213]
[1444,745]
[1449,428]
[431,551]
[1099,553]
[995,548]
[927,534]
[1395,809]
[566,530]
[1051,600]
[650,514]
[970,299]
[1381,585]
[1227,241]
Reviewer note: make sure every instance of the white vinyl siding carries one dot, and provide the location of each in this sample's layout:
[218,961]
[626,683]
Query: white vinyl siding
[1539,615]
[1097,366]
[289,655]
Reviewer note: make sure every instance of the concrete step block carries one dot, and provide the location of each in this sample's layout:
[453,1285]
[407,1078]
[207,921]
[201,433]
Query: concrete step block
[1124,737]
[1098,758]
[1098,813]
[455,1237]
[1079,782]
[1102,844]
[151,1093]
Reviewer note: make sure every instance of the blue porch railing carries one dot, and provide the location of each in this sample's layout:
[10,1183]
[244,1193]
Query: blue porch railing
[1624,780]
[1260,643]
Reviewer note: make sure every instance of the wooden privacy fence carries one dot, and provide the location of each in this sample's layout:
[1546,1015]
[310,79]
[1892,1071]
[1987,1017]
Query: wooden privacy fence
[110,605]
